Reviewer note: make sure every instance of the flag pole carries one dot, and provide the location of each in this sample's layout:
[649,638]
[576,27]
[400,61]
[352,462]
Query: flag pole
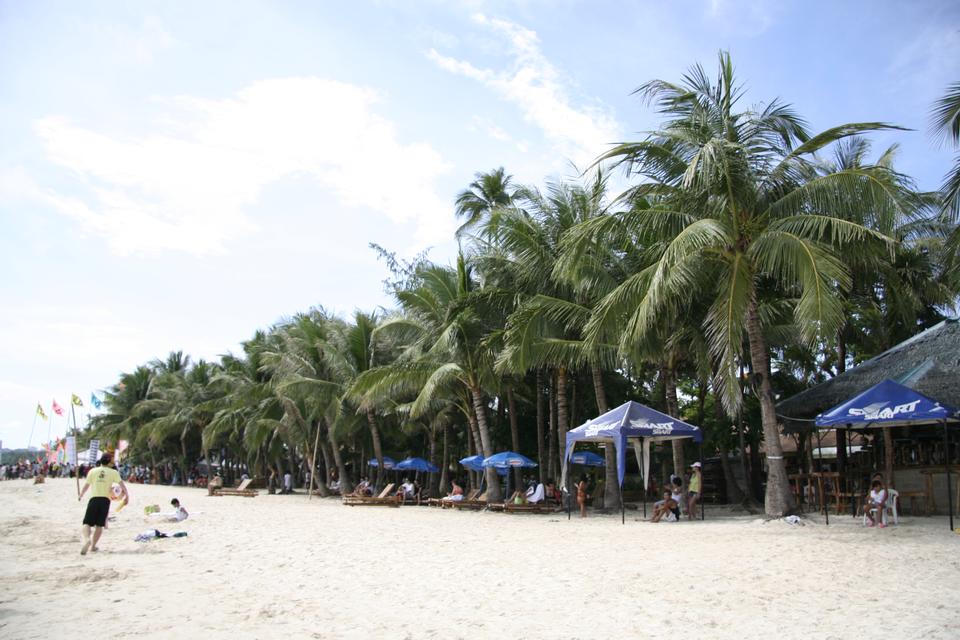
[76,432]
[32,427]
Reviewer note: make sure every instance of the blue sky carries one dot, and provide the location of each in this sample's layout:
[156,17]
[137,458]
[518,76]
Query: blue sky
[175,175]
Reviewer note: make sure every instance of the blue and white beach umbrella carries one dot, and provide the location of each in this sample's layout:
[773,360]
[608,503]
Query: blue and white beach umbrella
[388,463]
[588,458]
[414,464]
[508,459]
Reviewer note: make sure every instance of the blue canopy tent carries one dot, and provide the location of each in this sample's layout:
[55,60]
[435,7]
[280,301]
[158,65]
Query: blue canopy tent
[635,421]
[588,458]
[890,404]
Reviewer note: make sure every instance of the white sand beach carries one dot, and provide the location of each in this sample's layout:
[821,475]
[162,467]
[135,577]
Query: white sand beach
[283,566]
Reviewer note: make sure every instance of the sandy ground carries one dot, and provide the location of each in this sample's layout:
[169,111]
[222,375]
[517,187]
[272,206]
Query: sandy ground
[286,567]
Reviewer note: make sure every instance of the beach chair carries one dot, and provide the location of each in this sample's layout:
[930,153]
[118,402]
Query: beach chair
[501,506]
[383,500]
[890,506]
[241,490]
[473,502]
[544,506]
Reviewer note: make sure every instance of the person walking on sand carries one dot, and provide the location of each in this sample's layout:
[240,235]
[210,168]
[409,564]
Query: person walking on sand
[100,480]
[582,496]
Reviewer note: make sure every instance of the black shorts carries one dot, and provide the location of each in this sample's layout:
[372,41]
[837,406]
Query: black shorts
[97,511]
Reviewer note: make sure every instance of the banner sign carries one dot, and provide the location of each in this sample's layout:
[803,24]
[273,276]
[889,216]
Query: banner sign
[94,452]
[72,450]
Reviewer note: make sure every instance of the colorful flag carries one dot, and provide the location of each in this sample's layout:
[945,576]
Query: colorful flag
[40,412]
[75,400]
[95,401]
[57,409]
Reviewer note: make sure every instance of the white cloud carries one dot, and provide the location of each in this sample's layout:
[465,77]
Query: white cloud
[190,183]
[750,18]
[581,132]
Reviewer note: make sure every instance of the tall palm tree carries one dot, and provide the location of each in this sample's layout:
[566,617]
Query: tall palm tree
[442,330]
[488,193]
[737,206]
[945,121]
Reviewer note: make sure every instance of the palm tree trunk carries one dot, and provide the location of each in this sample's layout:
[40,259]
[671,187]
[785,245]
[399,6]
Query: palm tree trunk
[322,483]
[540,425]
[611,494]
[377,448]
[673,409]
[552,433]
[346,485]
[444,468]
[563,416]
[734,493]
[477,447]
[887,457]
[778,500]
[514,431]
[842,349]
[493,482]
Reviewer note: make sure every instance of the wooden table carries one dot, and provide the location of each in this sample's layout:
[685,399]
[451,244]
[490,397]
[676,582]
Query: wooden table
[931,500]
[914,497]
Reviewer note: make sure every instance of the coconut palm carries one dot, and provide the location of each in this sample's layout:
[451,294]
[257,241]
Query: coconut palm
[488,193]
[945,121]
[736,206]
[442,332]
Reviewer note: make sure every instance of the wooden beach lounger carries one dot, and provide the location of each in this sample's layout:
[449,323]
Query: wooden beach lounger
[501,506]
[242,490]
[473,502]
[384,499]
[541,507]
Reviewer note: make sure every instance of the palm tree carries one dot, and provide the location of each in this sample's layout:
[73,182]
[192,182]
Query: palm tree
[442,332]
[545,330]
[736,206]
[945,121]
[488,193]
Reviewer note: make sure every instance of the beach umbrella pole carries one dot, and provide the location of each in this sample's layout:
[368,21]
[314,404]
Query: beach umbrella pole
[946,459]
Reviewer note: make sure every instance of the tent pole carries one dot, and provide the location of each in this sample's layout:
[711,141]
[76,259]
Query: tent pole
[946,458]
[822,498]
[643,479]
[623,511]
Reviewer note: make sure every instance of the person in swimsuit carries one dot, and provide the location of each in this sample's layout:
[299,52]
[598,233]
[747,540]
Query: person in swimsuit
[582,496]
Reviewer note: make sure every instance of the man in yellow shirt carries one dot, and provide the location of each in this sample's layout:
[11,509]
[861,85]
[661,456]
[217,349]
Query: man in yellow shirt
[100,481]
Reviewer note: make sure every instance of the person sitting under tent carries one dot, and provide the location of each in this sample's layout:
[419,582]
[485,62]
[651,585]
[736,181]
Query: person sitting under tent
[536,493]
[876,503]
[676,490]
[668,508]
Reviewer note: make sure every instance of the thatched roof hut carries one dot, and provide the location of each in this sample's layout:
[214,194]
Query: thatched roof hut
[929,362]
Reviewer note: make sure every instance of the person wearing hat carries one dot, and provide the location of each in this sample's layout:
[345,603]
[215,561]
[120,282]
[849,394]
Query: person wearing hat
[693,490]
[100,481]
